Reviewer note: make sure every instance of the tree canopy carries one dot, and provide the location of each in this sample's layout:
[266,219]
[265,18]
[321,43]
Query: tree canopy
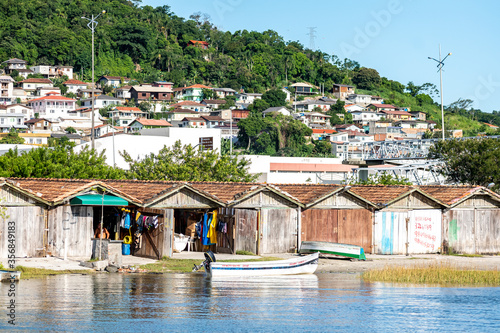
[187,163]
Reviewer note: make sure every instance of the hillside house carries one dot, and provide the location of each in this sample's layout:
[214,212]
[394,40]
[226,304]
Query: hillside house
[213,103]
[191,105]
[396,115]
[193,122]
[30,85]
[143,123]
[341,91]
[313,119]
[278,109]
[52,106]
[124,116]
[123,92]
[41,125]
[18,108]
[112,81]
[147,93]
[303,89]
[6,89]
[101,101]
[198,43]
[381,107]
[224,92]
[14,64]
[10,121]
[364,117]
[364,99]
[194,92]
[74,86]
[213,121]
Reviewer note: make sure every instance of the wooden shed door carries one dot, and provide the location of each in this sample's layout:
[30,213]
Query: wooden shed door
[320,225]
[246,230]
[278,231]
[355,227]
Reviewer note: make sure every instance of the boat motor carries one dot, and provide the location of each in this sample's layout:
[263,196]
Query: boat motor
[209,257]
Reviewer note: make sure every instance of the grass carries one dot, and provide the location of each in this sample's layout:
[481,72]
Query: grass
[167,265]
[436,273]
[245,253]
[30,272]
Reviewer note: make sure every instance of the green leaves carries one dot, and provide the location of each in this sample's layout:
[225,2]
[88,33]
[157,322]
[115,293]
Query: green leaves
[187,163]
[471,161]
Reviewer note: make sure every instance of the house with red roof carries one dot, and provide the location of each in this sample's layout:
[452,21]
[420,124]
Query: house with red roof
[191,105]
[198,43]
[143,123]
[74,86]
[30,85]
[381,107]
[124,116]
[52,106]
[194,92]
[321,133]
[193,122]
[396,115]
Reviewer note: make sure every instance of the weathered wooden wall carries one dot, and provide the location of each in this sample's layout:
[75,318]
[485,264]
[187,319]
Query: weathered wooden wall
[156,237]
[29,225]
[184,199]
[355,227]
[320,225]
[422,231]
[74,225]
[472,231]
[246,230]
[278,230]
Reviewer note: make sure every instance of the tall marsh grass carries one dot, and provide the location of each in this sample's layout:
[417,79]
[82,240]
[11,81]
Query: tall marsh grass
[435,273]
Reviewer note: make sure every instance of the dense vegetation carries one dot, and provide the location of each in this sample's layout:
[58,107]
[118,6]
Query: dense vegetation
[147,44]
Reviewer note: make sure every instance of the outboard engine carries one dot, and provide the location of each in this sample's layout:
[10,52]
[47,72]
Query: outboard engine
[209,257]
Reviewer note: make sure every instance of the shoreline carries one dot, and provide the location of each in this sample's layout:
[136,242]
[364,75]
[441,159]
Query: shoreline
[327,264]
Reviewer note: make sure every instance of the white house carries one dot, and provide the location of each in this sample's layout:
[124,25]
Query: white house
[191,105]
[101,101]
[247,98]
[14,64]
[113,81]
[123,92]
[53,71]
[353,107]
[278,109]
[143,123]
[52,106]
[123,116]
[74,86]
[19,109]
[224,92]
[11,120]
[193,122]
[313,119]
[30,85]
[308,105]
[364,117]
[364,99]
[6,89]
[213,121]
[104,129]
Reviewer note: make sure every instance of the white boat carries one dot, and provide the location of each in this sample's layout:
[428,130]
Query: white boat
[297,265]
[338,249]
[8,276]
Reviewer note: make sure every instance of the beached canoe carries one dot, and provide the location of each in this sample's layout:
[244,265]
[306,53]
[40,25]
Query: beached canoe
[344,250]
[297,265]
[8,276]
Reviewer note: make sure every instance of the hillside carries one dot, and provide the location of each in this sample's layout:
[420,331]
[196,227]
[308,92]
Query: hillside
[149,44]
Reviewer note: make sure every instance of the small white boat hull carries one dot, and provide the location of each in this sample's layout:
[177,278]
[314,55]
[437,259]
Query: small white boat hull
[299,265]
[338,249]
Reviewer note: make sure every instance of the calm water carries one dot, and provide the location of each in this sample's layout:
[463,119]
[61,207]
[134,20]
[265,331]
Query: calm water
[186,302]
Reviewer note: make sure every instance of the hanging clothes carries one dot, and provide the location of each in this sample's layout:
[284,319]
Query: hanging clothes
[125,221]
[207,219]
[154,221]
[212,232]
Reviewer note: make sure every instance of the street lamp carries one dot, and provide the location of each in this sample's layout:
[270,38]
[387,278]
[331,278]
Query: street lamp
[440,66]
[92,25]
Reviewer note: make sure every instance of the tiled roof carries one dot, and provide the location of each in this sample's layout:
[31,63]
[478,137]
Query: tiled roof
[384,106]
[152,122]
[198,86]
[181,110]
[396,112]
[50,189]
[73,81]
[34,80]
[187,103]
[226,192]
[214,101]
[212,118]
[380,194]
[306,193]
[53,98]
[125,108]
[449,194]
[323,131]
[144,190]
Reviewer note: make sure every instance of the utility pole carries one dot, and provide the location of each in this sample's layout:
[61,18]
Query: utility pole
[440,66]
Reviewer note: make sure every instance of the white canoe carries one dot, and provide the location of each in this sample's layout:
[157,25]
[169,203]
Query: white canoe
[10,275]
[344,250]
[297,265]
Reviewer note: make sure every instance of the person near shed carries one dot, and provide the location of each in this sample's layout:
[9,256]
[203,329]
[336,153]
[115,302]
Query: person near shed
[105,233]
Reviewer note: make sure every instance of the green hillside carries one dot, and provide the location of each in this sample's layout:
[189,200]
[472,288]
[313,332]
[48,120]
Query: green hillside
[148,44]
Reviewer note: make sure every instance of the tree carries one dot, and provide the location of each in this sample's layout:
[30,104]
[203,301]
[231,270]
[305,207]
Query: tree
[187,163]
[383,178]
[12,138]
[366,78]
[274,97]
[469,161]
[208,94]
[70,130]
[60,162]
[258,106]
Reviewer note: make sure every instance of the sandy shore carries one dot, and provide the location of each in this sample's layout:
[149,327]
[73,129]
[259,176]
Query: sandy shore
[330,264]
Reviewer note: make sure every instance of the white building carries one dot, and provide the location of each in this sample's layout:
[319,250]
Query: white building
[53,71]
[74,86]
[151,141]
[6,89]
[30,85]
[18,108]
[102,101]
[123,116]
[364,117]
[11,120]
[52,106]
[298,170]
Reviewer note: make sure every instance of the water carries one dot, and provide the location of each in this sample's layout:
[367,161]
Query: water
[189,302]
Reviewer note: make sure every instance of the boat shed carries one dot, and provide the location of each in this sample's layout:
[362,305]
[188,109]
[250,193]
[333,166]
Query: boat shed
[22,215]
[264,219]
[331,213]
[471,223]
[65,226]
[407,220]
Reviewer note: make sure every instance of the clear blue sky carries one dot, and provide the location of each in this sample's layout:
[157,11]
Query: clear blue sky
[394,36]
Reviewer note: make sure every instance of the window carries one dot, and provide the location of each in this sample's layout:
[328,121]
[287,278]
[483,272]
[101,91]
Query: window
[31,140]
[39,141]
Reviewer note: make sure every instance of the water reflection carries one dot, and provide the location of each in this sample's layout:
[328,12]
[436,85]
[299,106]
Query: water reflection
[180,302]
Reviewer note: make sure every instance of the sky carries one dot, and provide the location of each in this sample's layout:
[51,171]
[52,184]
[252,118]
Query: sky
[395,37]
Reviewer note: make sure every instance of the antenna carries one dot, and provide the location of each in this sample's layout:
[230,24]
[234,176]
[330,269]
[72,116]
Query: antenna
[312,36]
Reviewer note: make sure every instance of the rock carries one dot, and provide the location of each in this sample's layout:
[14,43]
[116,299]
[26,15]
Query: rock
[100,265]
[86,264]
[112,269]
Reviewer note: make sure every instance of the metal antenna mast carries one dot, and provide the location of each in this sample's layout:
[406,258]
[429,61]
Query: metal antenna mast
[312,36]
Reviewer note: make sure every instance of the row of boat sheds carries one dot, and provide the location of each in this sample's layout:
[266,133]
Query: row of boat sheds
[58,217]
